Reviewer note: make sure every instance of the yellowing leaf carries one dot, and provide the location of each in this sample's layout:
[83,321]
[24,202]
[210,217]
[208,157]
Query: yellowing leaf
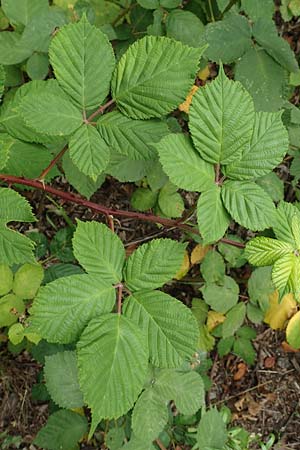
[204,73]
[278,313]
[213,319]
[293,331]
[185,106]
[198,253]
[185,267]
[79,411]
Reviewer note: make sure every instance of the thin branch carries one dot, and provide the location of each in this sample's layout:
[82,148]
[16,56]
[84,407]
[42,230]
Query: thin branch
[100,110]
[123,13]
[228,7]
[120,293]
[45,172]
[101,209]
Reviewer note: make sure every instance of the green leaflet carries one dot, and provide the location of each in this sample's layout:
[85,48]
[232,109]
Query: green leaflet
[183,165]
[263,251]
[228,39]
[65,306]
[185,27]
[248,204]
[272,185]
[221,120]
[154,76]
[99,251]
[48,110]
[14,247]
[112,361]
[82,183]
[234,320]
[133,138]
[12,51]
[27,280]
[207,437]
[265,33]
[61,375]
[269,143]
[282,224]
[126,169]
[267,84]
[37,66]
[153,264]
[186,389]
[221,296]
[286,274]
[150,415]
[83,62]
[63,430]
[6,142]
[22,12]
[170,327]
[212,217]
[256,9]
[88,151]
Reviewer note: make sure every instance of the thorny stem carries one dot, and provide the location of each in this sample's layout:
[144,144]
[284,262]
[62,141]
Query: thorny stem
[101,209]
[45,172]
[100,110]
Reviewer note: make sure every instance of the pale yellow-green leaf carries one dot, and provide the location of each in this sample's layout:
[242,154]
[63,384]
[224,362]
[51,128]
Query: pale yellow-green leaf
[293,331]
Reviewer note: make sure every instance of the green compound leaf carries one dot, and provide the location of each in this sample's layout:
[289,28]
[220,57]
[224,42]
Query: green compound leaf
[61,376]
[170,327]
[186,389]
[221,120]
[83,62]
[213,219]
[50,111]
[14,247]
[267,84]
[264,251]
[150,415]
[88,151]
[65,306]
[154,76]
[228,39]
[221,296]
[133,138]
[153,264]
[248,204]
[99,251]
[63,430]
[212,432]
[112,361]
[265,33]
[282,225]
[22,12]
[185,168]
[269,144]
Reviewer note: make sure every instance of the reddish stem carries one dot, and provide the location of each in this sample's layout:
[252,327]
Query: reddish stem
[45,172]
[100,110]
[73,198]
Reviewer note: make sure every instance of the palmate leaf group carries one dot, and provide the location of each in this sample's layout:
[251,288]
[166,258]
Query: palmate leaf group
[239,145]
[113,350]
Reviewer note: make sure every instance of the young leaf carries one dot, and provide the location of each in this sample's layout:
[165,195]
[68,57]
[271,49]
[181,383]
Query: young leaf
[150,415]
[153,264]
[221,120]
[83,62]
[133,138]
[186,389]
[212,217]
[282,224]
[292,331]
[264,251]
[212,431]
[234,320]
[244,349]
[221,297]
[63,430]
[183,165]
[61,375]
[213,267]
[50,111]
[269,144]
[248,204]
[228,39]
[22,12]
[170,327]
[154,76]
[14,247]
[99,250]
[6,279]
[267,84]
[27,280]
[286,274]
[88,151]
[112,360]
[11,307]
[265,33]
[64,307]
